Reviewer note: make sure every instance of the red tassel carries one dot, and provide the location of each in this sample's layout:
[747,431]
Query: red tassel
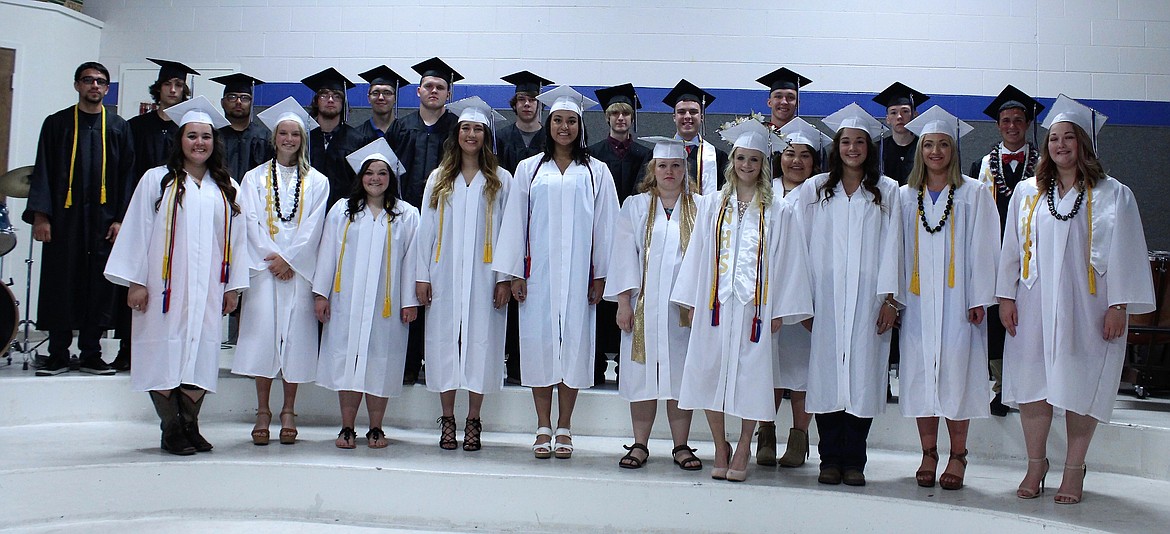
[223,272]
[527,267]
[757,329]
[166,304]
[715,315]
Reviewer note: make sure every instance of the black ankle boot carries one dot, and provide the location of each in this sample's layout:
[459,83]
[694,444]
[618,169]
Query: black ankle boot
[174,439]
[190,411]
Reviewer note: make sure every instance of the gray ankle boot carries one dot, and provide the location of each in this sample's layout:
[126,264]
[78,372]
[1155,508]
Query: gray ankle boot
[174,440]
[766,446]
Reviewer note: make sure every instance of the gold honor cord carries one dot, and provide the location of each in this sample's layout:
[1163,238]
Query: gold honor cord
[1030,205]
[73,157]
[269,188]
[442,216]
[341,257]
[638,351]
[389,265]
[487,234]
[915,282]
[1089,249]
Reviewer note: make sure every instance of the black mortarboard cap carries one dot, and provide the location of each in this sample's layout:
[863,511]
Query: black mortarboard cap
[527,82]
[437,68]
[382,75]
[172,69]
[898,94]
[686,91]
[623,94]
[1012,98]
[782,78]
[327,79]
[237,82]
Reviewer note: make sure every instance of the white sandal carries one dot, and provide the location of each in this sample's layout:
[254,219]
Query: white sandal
[563,450]
[544,450]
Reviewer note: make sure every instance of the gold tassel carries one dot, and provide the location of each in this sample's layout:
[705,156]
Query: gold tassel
[268,198]
[73,158]
[103,199]
[442,215]
[1092,275]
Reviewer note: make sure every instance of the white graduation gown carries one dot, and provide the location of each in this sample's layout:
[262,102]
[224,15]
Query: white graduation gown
[1058,353]
[854,249]
[725,371]
[792,345]
[278,329]
[943,370]
[360,349]
[660,376]
[182,345]
[464,331]
[569,220]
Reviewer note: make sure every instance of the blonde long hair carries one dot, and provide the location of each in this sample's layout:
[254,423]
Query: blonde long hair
[918,174]
[763,184]
[452,163]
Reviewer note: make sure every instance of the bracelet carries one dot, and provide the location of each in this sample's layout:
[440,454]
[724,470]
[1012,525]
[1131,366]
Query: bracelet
[890,304]
[1120,307]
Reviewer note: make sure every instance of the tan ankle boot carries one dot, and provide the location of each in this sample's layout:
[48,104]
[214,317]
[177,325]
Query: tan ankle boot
[797,451]
[766,446]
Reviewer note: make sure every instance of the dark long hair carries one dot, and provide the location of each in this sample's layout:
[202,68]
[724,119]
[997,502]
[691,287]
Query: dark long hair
[837,170]
[1089,169]
[216,167]
[357,195]
[579,152]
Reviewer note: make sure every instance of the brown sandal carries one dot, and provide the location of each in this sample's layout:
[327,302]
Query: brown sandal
[950,481]
[689,462]
[346,439]
[288,434]
[260,433]
[376,438]
[925,477]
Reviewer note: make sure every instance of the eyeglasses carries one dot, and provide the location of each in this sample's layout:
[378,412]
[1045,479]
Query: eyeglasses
[89,80]
[247,99]
[331,95]
[381,94]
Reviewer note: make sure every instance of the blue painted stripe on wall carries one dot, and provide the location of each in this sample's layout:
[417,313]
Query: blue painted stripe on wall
[734,101]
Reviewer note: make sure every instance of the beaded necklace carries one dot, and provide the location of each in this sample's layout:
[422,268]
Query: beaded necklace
[995,164]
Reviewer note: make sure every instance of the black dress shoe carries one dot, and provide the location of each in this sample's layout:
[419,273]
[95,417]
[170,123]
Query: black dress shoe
[53,366]
[121,363]
[998,408]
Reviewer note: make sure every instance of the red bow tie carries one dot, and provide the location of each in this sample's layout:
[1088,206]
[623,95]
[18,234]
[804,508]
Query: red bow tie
[1018,157]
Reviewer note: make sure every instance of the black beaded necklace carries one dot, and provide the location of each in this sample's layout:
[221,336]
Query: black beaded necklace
[946,211]
[1052,204]
[276,193]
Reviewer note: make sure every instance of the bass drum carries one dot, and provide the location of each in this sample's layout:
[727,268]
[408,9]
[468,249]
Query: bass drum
[8,317]
[1160,317]
[7,241]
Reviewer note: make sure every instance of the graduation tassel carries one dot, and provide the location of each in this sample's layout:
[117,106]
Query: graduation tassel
[341,258]
[757,329]
[226,266]
[761,282]
[73,158]
[714,301]
[487,235]
[168,255]
[1089,249]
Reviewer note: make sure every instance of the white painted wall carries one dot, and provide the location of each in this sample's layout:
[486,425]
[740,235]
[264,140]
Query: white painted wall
[50,42]
[1104,49]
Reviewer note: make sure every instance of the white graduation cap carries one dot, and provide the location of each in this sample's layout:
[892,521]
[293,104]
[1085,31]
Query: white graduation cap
[1068,110]
[937,120]
[474,109]
[287,110]
[799,132]
[854,116]
[752,134]
[380,150]
[198,109]
[565,97]
[666,147]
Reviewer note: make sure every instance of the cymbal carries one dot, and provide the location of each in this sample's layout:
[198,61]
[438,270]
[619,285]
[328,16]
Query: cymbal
[15,183]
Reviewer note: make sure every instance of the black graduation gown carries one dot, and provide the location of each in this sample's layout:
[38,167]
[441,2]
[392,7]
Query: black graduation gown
[246,150]
[420,148]
[897,160]
[330,160]
[720,164]
[366,133]
[73,292]
[511,150]
[153,138]
[628,171]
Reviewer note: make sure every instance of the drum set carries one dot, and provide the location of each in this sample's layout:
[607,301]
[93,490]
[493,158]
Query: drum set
[15,184]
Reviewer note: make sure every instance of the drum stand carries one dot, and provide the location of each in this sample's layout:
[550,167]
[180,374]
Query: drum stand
[22,346]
